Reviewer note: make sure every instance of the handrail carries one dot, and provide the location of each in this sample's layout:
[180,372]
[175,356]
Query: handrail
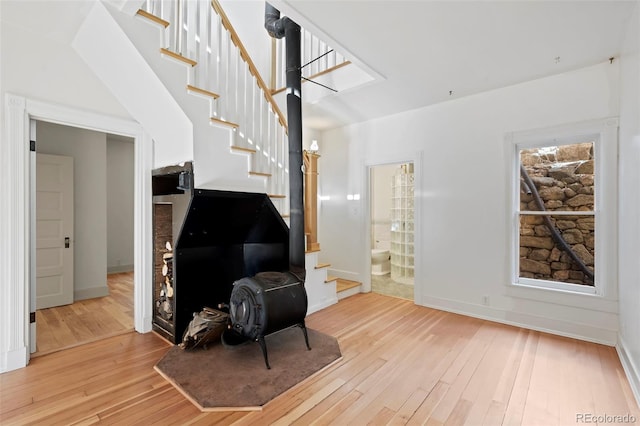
[227,76]
[252,68]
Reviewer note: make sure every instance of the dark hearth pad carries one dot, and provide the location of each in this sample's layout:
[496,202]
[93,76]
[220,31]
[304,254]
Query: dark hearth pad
[235,378]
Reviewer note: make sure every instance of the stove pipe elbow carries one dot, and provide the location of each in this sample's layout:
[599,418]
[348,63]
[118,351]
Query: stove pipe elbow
[272,22]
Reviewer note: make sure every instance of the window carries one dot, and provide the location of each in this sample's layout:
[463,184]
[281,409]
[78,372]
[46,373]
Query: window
[560,206]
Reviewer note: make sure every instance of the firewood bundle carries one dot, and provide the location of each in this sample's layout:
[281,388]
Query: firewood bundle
[205,327]
[164,304]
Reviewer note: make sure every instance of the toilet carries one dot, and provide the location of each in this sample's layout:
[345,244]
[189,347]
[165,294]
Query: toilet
[380,264]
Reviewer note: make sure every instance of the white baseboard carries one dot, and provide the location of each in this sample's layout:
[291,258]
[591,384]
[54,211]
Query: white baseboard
[558,327]
[144,325]
[319,306]
[13,359]
[119,268]
[631,369]
[90,293]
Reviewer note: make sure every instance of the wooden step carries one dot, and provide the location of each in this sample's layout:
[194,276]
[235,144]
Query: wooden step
[330,278]
[277,196]
[322,265]
[152,17]
[263,175]
[200,91]
[178,57]
[243,149]
[224,122]
[312,251]
[343,285]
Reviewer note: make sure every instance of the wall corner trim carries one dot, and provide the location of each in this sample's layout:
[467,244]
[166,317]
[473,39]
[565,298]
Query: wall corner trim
[631,370]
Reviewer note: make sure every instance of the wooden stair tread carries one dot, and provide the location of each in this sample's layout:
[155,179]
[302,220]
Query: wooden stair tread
[261,174]
[200,91]
[224,122]
[241,148]
[178,56]
[330,279]
[277,196]
[342,284]
[322,265]
[312,251]
[152,17]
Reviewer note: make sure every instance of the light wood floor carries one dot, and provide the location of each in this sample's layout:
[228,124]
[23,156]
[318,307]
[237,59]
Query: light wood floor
[401,364]
[88,320]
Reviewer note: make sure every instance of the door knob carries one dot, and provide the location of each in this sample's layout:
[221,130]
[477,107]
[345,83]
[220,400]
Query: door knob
[67,241]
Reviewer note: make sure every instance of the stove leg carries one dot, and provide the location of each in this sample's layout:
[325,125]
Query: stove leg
[263,346]
[306,336]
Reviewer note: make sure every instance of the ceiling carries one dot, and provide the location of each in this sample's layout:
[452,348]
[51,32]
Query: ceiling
[425,52]
[420,52]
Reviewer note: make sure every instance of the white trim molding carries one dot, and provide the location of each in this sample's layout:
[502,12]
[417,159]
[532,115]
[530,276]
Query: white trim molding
[632,370]
[416,158]
[15,227]
[14,223]
[604,334]
[604,295]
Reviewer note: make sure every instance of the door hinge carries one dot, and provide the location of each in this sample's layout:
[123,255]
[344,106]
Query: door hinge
[32,145]
[32,317]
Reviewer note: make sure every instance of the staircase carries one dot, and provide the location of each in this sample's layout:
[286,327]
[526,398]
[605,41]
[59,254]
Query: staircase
[200,97]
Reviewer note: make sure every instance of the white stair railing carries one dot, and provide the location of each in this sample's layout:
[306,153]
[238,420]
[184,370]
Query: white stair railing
[317,58]
[200,31]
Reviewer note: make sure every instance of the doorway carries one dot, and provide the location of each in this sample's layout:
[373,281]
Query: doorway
[101,241]
[392,229]
[18,301]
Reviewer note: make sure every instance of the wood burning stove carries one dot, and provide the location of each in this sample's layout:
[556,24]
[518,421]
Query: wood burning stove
[266,303]
[232,248]
[272,301]
[217,238]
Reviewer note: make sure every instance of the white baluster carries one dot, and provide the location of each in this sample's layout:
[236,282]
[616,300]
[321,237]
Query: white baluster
[191,35]
[179,26]
[218,53]
[245,93]
[203,36]
[255,101]
[323,62]
[280,64]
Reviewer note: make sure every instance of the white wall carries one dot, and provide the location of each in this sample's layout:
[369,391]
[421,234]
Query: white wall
[629,220]
[381,205]
[120,187]
[463,195]
[89,152]
[38,61]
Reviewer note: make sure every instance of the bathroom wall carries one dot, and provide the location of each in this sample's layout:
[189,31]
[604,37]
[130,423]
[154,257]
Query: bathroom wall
[381,178]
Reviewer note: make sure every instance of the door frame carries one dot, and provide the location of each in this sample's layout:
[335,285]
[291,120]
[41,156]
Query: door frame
[15,223]
[400,158]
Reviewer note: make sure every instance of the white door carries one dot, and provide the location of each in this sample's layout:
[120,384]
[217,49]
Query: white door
[54,230]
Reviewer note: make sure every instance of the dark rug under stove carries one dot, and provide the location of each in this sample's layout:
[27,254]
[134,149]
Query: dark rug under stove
[236,378]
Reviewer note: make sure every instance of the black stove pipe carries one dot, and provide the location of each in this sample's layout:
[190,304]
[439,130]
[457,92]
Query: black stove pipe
[284,27]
